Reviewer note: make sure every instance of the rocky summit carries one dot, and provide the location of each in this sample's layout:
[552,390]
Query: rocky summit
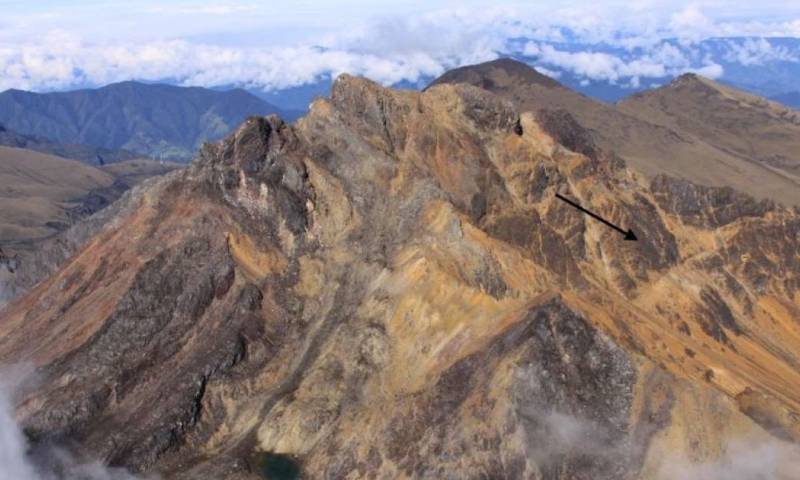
[389,288]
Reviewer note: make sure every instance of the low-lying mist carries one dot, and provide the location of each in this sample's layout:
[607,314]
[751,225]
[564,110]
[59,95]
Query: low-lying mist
[53,463]
[741,458]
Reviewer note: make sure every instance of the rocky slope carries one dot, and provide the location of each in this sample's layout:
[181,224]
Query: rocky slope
[748,126]
[42,196]
[693,129]
[389,289]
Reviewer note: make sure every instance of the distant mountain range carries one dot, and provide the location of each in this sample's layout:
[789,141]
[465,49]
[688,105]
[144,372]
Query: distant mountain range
[791,99]
[84,153]
[160,121]
[131,119]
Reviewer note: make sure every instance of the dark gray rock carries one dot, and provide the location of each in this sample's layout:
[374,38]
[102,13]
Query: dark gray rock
[704,206]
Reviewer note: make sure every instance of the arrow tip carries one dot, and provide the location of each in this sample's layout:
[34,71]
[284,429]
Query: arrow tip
[630,236]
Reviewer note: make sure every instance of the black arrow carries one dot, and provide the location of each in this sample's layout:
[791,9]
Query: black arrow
[629,235]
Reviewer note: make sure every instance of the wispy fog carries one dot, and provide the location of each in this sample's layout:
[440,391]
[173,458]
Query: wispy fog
[13,464]
[743,458]
[54,463]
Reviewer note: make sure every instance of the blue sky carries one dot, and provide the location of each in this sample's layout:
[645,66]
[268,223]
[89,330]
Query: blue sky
[63,44]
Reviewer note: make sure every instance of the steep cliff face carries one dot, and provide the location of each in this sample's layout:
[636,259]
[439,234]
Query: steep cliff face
[389,288]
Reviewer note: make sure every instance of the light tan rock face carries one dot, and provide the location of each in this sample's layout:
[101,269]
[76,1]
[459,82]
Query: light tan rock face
[390,289]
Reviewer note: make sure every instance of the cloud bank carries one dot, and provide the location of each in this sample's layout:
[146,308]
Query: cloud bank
[650,39]
[661,61]
[389,51]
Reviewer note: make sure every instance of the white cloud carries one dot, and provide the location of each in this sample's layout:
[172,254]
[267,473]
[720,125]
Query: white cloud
[215,9]
[50,66]
[691,24]
[712,71]
[15,463]
[389,48]
[388,51]
[743,458]
[663,60]
[757,51]
[546,71]
[593,65]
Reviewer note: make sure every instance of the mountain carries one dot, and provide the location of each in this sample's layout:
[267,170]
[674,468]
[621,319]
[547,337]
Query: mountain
[645,132]
[791,99]
[389,288]
[42,195]
[51,206]
[749,127]
[38,192]
[84,153]
[160,121]
[45,188]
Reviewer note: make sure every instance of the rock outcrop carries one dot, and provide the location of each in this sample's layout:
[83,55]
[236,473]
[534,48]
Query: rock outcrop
[389,289]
